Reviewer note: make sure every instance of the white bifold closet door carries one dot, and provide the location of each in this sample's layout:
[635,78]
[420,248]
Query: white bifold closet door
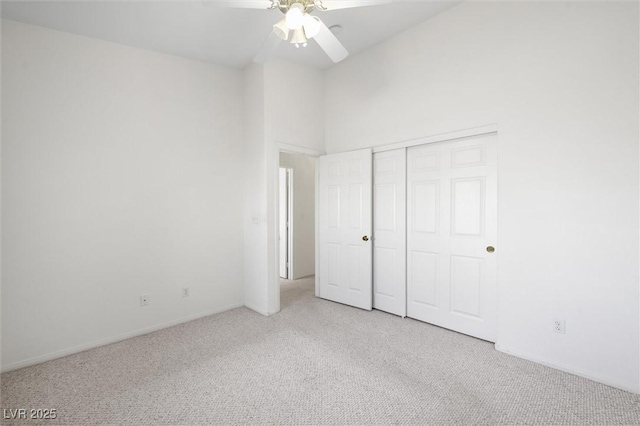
[345,225]
[390,231]
[452,228]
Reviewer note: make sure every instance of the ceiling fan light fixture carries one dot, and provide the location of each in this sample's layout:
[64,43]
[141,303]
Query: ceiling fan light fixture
[298,38]
[311,25]
[281,29]
[295,16]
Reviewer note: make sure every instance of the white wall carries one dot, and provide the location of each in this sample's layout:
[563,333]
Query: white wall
[255,192]
[303,212]
[118,176]
[561,82]
[283,105]
[294,102]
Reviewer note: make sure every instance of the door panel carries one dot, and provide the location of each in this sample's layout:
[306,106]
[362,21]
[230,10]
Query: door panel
[466,282]
[389,278]
[452,200]
[423,277]
[354,209]
[344,258]
[426,203]
[468,207]
[384,272]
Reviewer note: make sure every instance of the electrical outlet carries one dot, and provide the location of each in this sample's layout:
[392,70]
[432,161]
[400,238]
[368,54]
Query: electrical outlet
[144,300]
[558,326]
[185,291]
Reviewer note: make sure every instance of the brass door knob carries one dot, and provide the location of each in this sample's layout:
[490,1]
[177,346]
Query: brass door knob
[491,249]
[365,238]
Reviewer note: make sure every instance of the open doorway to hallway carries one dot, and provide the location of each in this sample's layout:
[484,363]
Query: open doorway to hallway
[296,201]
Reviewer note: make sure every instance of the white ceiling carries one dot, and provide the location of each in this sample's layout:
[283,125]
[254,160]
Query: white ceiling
[215,34]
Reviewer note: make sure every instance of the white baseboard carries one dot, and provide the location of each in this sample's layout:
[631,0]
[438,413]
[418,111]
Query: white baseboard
[616,383]
[256,309]
[304,276]
[114,339]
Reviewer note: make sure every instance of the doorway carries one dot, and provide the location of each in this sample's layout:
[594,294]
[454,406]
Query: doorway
[296,217]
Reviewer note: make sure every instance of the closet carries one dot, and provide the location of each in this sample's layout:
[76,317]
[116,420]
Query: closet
[434,228]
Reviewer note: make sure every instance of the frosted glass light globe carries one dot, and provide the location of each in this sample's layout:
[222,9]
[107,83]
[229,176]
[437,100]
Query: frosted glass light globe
[295,16]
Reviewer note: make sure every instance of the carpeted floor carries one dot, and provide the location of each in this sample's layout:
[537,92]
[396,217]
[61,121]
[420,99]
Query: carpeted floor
[316,362]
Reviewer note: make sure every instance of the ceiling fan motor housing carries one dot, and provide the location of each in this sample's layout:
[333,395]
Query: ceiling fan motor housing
[308,5]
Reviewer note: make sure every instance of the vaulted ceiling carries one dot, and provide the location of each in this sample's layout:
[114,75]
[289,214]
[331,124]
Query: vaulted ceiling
[215,34]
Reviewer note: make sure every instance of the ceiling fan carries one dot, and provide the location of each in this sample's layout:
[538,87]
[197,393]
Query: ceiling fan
[299,25]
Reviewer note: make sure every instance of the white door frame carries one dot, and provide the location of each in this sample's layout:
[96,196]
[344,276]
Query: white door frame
[289,223]
[273,298]
[442,137]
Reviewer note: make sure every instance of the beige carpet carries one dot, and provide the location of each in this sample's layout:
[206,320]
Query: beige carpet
[316,362]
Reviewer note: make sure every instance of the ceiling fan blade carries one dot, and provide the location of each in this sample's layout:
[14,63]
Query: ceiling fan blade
[345,4]
[240,4]
[330,44]
[268,48]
